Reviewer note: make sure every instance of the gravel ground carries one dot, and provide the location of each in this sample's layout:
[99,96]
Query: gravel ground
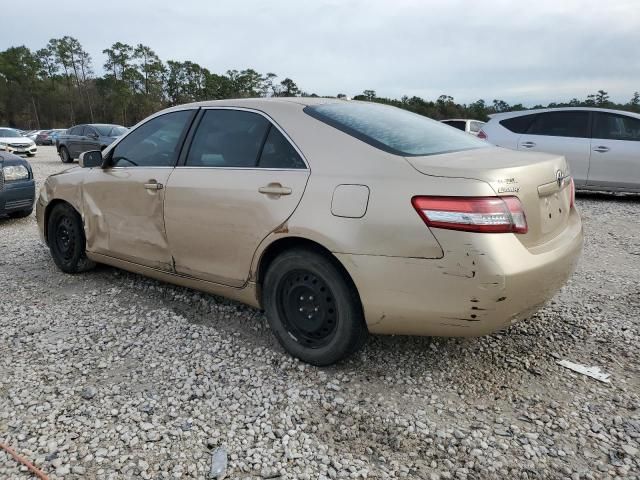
[111,375]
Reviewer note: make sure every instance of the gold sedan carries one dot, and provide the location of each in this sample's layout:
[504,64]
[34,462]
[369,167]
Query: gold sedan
[337,218]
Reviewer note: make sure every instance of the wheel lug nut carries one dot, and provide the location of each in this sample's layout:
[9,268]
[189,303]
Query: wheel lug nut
[301,298]
[315,309]
[310,316]
[310,297]
[301,309]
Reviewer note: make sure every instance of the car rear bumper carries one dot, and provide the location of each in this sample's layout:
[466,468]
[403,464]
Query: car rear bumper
[483,283]
[17,196]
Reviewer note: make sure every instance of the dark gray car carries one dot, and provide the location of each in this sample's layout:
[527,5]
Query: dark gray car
[83,138]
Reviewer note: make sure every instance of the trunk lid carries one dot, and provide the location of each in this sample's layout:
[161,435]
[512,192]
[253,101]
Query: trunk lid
[539,180]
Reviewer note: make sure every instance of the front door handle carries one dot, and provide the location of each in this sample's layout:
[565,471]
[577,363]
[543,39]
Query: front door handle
[275,189]
[528,144]
[153,185]
[601,149]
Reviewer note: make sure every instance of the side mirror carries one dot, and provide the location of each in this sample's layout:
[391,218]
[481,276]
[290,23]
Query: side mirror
[91,159]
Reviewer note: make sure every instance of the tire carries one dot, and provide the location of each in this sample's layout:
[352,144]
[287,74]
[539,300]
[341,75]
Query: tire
[313,310]
[64,155]
[65,236]
[21,213]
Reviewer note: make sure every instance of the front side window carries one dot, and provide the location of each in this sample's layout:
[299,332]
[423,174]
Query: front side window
[393,130]
[561,124]
[155,143]
[228,138]
[77,130]
[610,126]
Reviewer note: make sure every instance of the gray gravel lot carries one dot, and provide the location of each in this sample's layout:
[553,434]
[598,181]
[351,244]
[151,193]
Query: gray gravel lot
[111,375]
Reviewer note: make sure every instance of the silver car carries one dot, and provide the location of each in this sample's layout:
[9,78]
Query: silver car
[602,146]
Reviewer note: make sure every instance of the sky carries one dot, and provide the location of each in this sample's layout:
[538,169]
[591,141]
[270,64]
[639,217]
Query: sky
[530,52]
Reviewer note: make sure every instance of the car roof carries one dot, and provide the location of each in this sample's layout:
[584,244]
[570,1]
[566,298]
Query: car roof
[265,102]
[519,113]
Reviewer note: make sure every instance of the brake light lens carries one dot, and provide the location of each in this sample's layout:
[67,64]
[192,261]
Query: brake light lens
[473,214]
[573,193]
[482,135]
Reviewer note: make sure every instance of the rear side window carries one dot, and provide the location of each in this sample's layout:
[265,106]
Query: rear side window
[393,130]
[459,124]
[228,138]
[561,124]
[75,130]
[278,152]
[475,127]
[518,124]
[610,126]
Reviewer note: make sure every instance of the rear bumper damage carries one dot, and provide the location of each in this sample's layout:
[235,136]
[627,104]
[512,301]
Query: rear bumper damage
[483,283]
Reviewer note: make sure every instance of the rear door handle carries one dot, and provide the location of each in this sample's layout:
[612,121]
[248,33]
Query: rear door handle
[275,189]
[528,144]
[601,149]
[153,185]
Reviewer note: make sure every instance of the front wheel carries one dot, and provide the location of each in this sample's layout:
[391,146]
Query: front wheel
[64,155]
[313,310]
[66,239]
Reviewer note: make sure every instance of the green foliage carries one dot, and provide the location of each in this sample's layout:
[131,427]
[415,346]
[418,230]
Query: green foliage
[55,86]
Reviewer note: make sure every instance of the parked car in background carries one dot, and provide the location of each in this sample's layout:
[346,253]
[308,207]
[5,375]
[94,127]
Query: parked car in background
[17,186]
[11,141]
[44,138]
[55,134]
[339,218]
[602,146]
[82,138]
[466,125]
[32,134]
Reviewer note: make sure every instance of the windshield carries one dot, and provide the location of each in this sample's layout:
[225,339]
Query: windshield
[394,130]
[110,130]
[7,132]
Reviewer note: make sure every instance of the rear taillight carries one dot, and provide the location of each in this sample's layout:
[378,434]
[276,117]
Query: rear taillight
[482,135]
[573,193]
[473,214]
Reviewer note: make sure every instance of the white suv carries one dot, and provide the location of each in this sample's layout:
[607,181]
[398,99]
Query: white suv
[602,146]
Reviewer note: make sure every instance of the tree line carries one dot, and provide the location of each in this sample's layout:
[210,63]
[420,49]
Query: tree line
[56,86]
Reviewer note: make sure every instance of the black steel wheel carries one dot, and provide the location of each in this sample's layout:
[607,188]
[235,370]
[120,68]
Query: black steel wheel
[65,236]
[313,310]
[306,305]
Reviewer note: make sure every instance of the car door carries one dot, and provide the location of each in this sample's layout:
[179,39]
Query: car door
[239,181]
[123,202]
[615,151]
[73,140]
[90,139]
[564,132]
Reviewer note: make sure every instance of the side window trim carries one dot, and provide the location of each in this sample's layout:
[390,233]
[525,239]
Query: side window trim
[272,123]
[181,141]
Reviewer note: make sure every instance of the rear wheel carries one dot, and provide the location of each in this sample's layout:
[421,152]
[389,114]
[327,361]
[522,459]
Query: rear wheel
[312,309]
[64,155]
[65,236]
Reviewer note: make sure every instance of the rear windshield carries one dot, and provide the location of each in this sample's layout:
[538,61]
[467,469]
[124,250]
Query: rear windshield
[394,130]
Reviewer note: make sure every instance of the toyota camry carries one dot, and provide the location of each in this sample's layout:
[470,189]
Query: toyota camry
[338,218]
